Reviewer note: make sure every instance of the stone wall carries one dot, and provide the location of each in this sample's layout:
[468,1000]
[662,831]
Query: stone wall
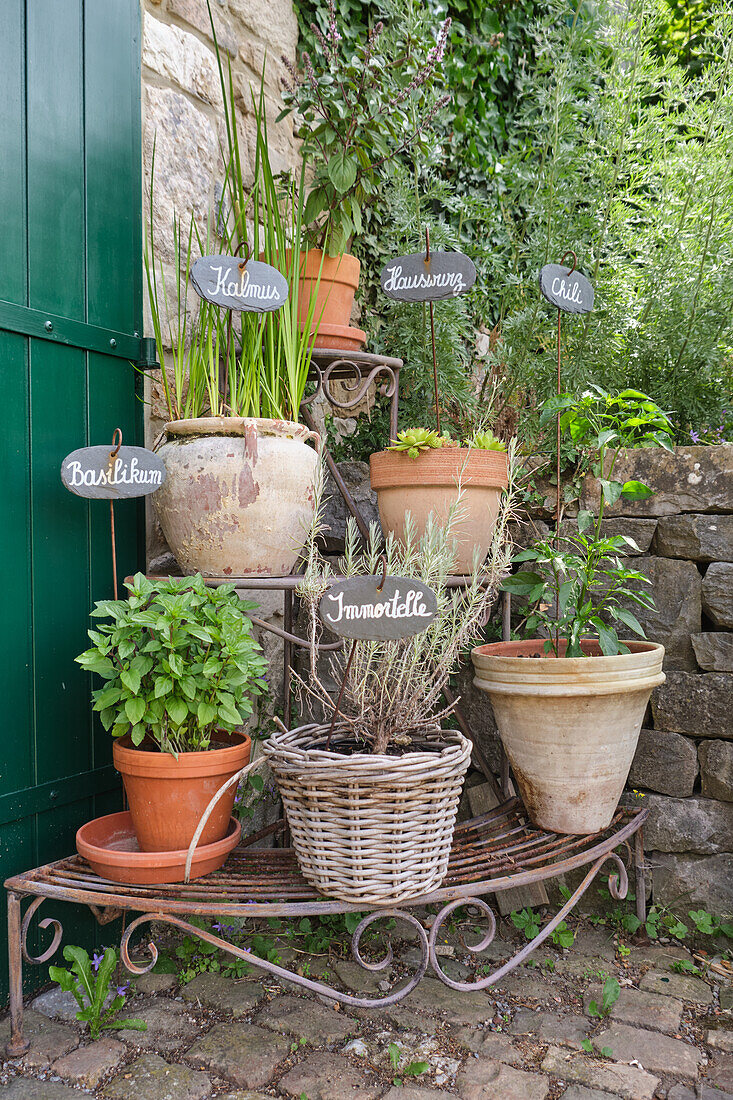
[684,763]
[183,120]
[183,123]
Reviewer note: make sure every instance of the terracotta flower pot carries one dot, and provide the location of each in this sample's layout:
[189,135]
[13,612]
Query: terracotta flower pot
[239,494]
[569,725]
[168,796]
[339,278]
[429,483]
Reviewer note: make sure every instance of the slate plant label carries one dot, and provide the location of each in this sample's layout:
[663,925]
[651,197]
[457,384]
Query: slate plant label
[228,281]
[416,279]
[570,293]
[93,472]
[353,608]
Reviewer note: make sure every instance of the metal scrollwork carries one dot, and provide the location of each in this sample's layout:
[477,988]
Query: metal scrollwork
[289,975]
[618,885]
[360,383]
[48,922]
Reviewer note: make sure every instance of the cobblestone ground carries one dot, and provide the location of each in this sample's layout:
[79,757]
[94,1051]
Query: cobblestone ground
[532,1037]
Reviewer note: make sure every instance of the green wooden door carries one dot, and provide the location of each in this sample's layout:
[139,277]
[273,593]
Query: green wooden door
[70,319]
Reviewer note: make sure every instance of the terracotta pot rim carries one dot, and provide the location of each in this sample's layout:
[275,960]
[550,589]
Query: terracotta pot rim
[235,426]
[161,862]
[396,469]
[344,268]
[162,765]
[512,651]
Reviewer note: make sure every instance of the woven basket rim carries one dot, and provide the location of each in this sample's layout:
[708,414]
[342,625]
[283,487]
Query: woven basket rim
[283,747]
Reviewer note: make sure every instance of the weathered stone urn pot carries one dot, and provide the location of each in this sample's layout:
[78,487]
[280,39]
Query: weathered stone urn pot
[569,725]
[238,498]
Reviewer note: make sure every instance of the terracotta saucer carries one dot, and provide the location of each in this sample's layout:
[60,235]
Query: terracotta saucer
[110,846]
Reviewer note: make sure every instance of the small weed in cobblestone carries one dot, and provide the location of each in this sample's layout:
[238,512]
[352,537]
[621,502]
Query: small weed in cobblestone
[611,990]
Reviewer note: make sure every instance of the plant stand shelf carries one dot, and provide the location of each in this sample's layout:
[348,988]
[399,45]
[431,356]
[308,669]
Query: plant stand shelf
[496,851]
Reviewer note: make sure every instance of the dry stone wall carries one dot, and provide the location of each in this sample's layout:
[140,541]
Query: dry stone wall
[684,762]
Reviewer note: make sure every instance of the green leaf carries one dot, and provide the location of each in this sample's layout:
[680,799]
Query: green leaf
[178,709]
[206,713]
[607,637]
[636,490]
[630,620]
[611,490]
[611,991]
[135,709]
[342,169]
[585,520]
[163,685]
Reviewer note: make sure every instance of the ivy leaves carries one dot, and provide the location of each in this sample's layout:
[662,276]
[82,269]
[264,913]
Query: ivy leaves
[179,661]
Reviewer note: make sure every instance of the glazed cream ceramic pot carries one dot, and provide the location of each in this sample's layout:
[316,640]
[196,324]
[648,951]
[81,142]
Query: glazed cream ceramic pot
[238,498]
[569,726]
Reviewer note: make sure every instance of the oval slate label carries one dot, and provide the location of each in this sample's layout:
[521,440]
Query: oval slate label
[570,293]
[228,281]
[93,472]
[415,279]
[353,608]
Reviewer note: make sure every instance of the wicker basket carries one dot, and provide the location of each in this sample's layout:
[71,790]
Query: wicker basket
[370,829]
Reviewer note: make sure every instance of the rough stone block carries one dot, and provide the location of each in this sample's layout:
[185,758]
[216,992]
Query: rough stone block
[720,1038]
[654,1051]
[550,1028]
[716,769]
[717,593]
[186,159]
[637,1006]
[615,1077]
[25,1088]
[684,987]
[700,825]
[55,1003]
[336,514]
[216,991]
[698,704]
[698,1092]
[690,479]
[704,881]
[303,1019]
[155,983]
[86,1066]
[489,1044]
[169,1025]
[714,650]
[248,1055]
[580,1092]
[152,1078]
[695,537]
[195,13]
[328,1077]
[640,530]
[272,20]
[721,1073]
[48,1039]
[664,762]
[676,589]
[401,1093]
[483,1077]
[457,1006]
[181,58]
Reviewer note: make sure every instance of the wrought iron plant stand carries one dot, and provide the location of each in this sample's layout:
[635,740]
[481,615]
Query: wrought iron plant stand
[491,853]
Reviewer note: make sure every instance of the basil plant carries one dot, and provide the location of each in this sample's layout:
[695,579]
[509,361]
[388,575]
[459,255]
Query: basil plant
[579,585]
[178,660]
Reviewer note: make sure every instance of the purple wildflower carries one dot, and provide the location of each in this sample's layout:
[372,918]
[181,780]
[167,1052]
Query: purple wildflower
[695,437]
[97,961]
[122,989]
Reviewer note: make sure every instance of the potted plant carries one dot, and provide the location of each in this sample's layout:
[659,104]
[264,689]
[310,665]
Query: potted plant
[359,106]
[180,667]
[239,492]
[569,704]
[422,473]
[371,802]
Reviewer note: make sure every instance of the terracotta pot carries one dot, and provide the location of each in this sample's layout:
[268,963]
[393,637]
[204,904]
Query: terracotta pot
[239,494]
[167,796]
[569,725]
[429,483]
[339,278]
[110,847]
[340,337]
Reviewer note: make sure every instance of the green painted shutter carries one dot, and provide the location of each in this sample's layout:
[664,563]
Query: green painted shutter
[70,321]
